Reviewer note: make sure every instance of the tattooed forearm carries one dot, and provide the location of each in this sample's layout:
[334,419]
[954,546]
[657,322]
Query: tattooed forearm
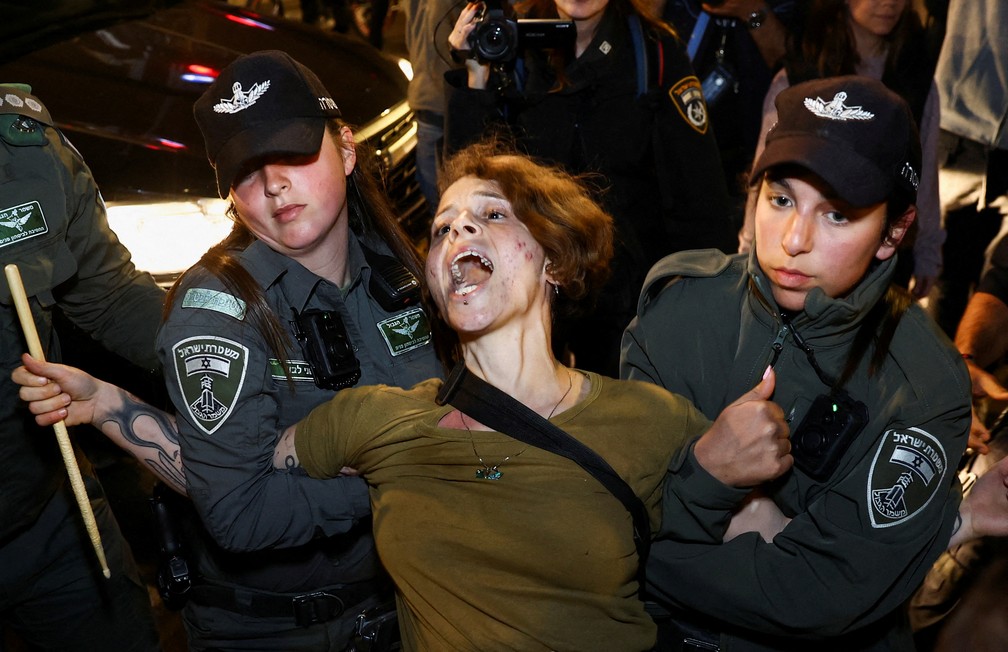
[285,456]
[150,435]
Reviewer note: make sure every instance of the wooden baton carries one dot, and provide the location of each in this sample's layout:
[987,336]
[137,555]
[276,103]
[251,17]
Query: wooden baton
[76,481]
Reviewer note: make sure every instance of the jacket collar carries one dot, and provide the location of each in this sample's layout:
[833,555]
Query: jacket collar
[269,268]
[823,316]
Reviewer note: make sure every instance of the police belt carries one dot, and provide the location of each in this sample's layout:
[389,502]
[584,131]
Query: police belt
[304,608]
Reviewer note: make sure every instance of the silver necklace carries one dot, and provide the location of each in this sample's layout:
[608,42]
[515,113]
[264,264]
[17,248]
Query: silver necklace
[486,472]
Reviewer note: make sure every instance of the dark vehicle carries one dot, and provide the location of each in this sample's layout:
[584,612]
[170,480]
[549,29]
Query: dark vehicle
[120,78]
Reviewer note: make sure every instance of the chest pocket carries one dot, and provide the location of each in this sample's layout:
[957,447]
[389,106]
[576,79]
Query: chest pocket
[42,268]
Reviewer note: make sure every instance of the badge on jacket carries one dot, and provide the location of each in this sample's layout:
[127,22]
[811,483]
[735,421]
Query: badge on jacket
[908,470]
[22,222]
[406,331]
[210,372]
[687,95]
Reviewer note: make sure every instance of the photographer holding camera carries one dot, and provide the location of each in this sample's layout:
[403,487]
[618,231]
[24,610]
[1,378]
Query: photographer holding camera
[616,99]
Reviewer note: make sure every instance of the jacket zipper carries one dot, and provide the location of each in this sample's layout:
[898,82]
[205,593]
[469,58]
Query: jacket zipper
[778,344]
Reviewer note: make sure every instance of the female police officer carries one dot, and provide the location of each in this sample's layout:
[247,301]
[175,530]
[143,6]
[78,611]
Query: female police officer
[311,292]
[878,400]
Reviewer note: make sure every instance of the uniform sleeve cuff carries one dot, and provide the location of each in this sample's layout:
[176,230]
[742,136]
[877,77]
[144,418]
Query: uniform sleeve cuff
[696,506]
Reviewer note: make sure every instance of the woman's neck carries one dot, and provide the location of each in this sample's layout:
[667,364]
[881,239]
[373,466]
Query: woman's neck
[586,29]
[331,258]
[526,369]
[868,44]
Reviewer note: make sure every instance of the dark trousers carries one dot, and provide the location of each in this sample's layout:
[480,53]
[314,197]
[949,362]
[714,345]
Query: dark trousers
[52,591]
[969,232]
[974,190]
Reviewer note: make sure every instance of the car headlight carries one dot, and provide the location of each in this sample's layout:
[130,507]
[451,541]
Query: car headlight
[165,238]
[406,67]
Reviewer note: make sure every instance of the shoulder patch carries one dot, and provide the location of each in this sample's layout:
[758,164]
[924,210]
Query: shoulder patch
[908,470]
[210,372]
[687,95]
[406,331]
[22,222]
[214,300]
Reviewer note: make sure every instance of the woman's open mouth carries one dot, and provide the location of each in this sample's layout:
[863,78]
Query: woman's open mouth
[469,268]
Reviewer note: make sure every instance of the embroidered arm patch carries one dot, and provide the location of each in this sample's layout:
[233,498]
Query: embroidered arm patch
[908,470]
[687,95]
[210,372]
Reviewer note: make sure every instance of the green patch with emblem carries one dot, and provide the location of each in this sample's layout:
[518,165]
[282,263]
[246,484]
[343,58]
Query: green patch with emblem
[210,372]
[300,370]
[406,331]
[21,222]
[214,300]
[687,95]
[908,470]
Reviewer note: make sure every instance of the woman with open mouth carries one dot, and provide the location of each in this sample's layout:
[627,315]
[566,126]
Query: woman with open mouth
[493,542]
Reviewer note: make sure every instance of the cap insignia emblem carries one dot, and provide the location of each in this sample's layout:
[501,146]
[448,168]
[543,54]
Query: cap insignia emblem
[835,109]
[241,100]
[910,175]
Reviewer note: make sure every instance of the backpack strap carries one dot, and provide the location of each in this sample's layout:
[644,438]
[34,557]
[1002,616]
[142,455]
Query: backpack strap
[505,414]
[640,53]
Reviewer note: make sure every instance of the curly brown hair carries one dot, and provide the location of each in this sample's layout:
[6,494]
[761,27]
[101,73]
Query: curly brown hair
[575,233]
[556,206]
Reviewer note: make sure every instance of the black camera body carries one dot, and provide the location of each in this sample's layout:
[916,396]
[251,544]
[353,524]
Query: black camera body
[498,39]
[324,341]
[829,427]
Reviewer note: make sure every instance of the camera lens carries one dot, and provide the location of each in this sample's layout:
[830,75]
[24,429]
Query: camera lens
[812,441]
[494,41]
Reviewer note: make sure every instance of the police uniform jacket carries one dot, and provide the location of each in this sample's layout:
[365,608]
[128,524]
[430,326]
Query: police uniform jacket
[53,227]
[234,400]
[659,166]
[861,540]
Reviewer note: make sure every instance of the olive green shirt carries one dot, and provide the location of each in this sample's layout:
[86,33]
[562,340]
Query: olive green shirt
[541,558]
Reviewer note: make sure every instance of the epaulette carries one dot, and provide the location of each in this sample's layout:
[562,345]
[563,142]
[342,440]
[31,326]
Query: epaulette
[23,117]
